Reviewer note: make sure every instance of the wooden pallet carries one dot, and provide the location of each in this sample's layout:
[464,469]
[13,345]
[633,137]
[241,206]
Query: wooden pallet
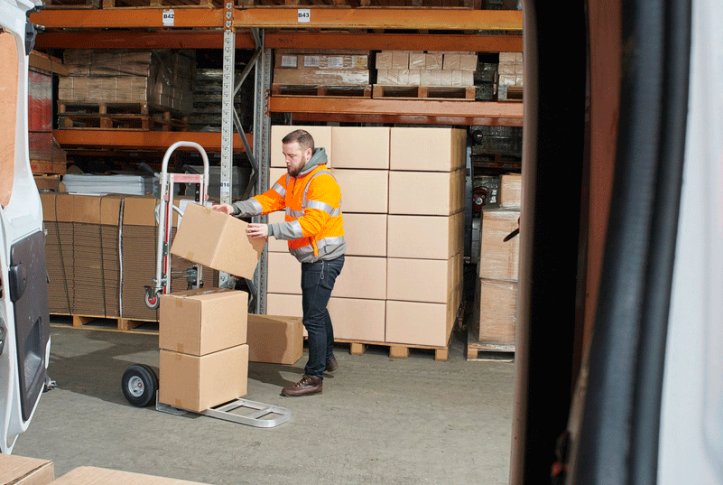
[111,4]
[48,167]
[396,351]
[71,4]
[119,116]
[462,93]
[317,90]
[465,4]
[512,94]
[478,351]
[121,324]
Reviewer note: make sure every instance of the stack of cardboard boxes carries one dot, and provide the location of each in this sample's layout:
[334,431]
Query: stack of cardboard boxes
[204,355]
[321,67]
[495,315]
[431,68]
[402,200]
[511,72]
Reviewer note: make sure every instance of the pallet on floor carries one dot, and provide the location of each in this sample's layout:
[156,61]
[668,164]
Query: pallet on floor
[482,351]
[322,91]
[397,351]
[122,116]
[111,4]
[512,94]
[116,323]
[462,93]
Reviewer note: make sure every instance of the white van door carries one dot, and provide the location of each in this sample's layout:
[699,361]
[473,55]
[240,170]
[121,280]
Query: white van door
[24,322]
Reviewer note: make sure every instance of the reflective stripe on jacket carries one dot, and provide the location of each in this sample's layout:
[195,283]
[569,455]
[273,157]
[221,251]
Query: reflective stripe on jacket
[313,212]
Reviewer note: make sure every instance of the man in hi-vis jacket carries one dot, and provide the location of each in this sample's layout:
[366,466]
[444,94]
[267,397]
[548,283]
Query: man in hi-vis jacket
[314,230]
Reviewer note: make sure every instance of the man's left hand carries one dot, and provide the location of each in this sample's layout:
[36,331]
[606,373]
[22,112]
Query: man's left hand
[255,231]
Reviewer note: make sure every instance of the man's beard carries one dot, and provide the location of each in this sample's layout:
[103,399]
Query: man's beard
[294,171]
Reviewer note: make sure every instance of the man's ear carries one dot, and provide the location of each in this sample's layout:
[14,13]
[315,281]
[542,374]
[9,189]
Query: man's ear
[309,152]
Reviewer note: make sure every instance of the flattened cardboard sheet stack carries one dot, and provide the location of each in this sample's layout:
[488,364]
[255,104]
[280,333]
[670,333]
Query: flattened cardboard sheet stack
[321,67]
[58,220]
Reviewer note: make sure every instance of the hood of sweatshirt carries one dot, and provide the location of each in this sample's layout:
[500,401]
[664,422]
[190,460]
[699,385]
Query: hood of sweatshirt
[317,158]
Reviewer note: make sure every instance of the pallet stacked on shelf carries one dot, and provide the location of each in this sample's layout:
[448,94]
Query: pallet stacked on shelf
[101,253]
[321,73]
[403,187]
[131,90]
[495,312]
[431,74]
[207,99]
[510,79]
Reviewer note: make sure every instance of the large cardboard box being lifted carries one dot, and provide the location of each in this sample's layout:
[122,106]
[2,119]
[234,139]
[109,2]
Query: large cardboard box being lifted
[202,321]
[87,475]
[275,339]
[18,470]
[216,240]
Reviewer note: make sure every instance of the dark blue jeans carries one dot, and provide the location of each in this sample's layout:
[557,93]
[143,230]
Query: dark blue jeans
[317,281]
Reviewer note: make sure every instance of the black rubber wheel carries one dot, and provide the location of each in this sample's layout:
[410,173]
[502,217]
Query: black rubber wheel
[139,385]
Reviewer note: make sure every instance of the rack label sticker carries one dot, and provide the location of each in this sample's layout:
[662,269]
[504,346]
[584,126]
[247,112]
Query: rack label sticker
[168,18]
[304,15]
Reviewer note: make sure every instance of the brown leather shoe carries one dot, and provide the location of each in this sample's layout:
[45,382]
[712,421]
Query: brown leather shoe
[332,364]
[307,386]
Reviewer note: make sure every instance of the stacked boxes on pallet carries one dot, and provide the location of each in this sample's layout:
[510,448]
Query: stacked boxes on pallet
[495,315]
[403,190]
[204,356]
[321,68]
[101,253]
[431,68]
[160,77]
[511,72]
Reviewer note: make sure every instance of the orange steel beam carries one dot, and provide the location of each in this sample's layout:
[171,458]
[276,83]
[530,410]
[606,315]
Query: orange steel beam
[391,107]
[407,119]
[388,18]
[128,18]
[384,41]
[278,40]
[321,18]
[142,140]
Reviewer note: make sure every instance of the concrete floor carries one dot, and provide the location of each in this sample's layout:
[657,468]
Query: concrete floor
[379,420]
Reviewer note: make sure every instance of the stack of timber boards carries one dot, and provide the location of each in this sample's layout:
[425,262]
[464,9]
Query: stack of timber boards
[430,74]
[101,253]
[495,315]
[321,73]
[406,186]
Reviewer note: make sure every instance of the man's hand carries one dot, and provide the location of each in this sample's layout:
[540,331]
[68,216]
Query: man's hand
[225,208]
[255,231]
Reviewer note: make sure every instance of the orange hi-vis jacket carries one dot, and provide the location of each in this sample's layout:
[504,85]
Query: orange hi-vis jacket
[313,223]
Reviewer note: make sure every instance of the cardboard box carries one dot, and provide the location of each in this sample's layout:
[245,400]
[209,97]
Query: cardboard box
[363,191]
[427,149]
[360,147]
[321,135]
[426,193]
[498,259]
[511,190]
[288,61]
[283,274]
[442,236]
[495,314]
[384,60]
[468,62]
[400,60]
[199,383]
[422,280]
[282,304]
[451,61]
[202,321]
[275,339]
[277,245]
[362,277]
[365,234]
[224,245]
[358,320]
[18,470]
[417,60]
[414,323]
[328,77]
[87,475]
[433,61]
[50,183]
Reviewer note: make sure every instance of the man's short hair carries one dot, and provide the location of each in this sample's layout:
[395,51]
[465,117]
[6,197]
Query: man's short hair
[302,137]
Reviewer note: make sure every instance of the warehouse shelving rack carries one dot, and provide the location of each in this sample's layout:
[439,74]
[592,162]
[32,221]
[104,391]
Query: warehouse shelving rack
[264,29]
